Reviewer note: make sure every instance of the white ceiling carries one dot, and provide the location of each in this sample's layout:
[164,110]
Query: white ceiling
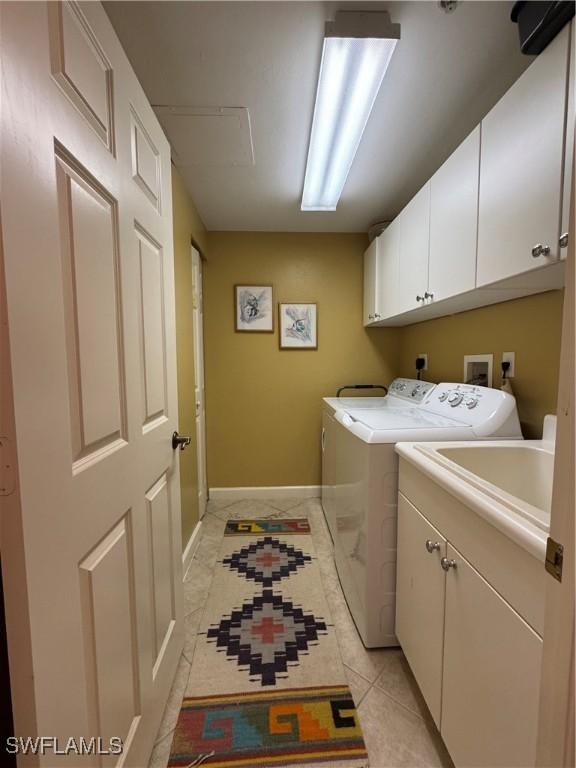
[446,73]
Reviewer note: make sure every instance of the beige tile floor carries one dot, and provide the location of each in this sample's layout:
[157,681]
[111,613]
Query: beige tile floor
[398,729]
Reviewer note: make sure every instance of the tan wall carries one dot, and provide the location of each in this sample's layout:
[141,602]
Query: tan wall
[263,404]
[531,327]
[188,228]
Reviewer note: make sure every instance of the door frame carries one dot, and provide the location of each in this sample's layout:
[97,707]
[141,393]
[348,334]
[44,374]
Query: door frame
[556,736]
[199,371]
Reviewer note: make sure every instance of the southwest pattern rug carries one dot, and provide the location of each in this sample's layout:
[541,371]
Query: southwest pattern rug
[267,686]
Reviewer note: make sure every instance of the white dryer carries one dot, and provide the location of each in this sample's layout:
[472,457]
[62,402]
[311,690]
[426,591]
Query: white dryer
[360,482]
[402,393]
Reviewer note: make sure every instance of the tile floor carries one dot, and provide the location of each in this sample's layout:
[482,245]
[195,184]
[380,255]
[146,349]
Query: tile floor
[398,729]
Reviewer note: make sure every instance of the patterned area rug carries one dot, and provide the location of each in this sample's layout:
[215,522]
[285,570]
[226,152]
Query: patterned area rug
[267,686]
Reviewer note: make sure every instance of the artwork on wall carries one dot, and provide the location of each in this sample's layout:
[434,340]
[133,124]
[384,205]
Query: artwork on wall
[254,308]
[298,326]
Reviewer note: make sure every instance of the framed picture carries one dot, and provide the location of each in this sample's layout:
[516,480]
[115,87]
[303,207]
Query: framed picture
[298,326]
[254,308]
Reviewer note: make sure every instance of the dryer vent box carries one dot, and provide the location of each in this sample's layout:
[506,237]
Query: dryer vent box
[478,370]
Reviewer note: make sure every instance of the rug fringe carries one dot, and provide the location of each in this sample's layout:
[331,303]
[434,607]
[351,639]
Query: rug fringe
[200,759]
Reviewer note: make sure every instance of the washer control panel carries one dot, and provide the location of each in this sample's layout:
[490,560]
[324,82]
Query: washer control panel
[411,389]
[465,402]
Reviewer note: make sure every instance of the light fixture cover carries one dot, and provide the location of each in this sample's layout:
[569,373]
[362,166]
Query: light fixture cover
[356,53]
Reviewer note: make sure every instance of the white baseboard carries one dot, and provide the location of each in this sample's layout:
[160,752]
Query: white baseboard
[190,548]
[266,492]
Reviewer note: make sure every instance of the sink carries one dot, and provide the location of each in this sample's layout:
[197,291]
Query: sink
[507,482]
[524,471]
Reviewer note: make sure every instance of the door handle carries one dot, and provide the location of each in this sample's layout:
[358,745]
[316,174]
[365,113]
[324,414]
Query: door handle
[181,441]
[323,440]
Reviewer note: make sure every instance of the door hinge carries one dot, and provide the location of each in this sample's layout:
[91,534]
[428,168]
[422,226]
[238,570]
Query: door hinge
[6,468]
[554,558]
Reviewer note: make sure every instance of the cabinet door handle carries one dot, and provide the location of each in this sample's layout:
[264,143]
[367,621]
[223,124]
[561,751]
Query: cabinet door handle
[432,546]
[447,564]
[563,240]
[540,250]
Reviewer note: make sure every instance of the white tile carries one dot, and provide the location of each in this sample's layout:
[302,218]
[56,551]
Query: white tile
[397,738]
[196,586]
[359,687]
[174,703]
[397,680]
[191,626]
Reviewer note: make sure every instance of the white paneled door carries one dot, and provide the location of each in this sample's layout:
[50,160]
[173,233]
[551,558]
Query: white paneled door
[91,552]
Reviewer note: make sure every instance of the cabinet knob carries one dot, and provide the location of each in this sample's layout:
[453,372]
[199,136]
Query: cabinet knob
[540,250]
[447,564]
[419,298]
[377,316]
[432,546]
[428,295]
[563,240]
[370,317]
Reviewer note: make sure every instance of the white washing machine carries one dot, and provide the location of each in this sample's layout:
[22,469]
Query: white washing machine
[360,481]
[402,393]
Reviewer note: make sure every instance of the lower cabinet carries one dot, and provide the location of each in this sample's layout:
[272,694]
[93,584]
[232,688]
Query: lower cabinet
[475,658]
[420,591]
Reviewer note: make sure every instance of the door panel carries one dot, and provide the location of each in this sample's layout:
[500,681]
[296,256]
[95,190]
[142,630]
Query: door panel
[491,674]
[89,236]
[414,229]
[161,557]
[94,583]
[109,622]
[454,221]
[152,328]
[420,589]
[81,67]
[521,169]
[145,160]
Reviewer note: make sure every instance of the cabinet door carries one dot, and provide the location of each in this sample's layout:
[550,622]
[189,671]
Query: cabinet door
[491,675]
[370,285]
[521,169]
[454,221]
[387,272]
[414,222]
[420,590]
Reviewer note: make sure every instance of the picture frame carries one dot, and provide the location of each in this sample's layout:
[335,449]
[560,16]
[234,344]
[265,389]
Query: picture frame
[298,325]
[254,308]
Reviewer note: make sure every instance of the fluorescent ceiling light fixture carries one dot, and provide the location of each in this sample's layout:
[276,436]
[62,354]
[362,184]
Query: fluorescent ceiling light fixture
[357,49]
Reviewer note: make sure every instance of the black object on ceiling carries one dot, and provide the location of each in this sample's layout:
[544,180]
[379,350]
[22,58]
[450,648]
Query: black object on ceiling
[540,22]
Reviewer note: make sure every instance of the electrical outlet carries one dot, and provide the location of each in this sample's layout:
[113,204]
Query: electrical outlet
[509,357]
[425,356]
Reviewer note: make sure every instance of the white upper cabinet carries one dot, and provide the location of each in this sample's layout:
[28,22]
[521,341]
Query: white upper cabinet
[454,221]
[521,170]
[381,276]
[388,284]
[487,227]
[370,282]
[414,233]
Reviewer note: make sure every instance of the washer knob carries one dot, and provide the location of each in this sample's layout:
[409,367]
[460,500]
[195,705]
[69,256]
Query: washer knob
[472,402]
[443,396]
[455,399]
